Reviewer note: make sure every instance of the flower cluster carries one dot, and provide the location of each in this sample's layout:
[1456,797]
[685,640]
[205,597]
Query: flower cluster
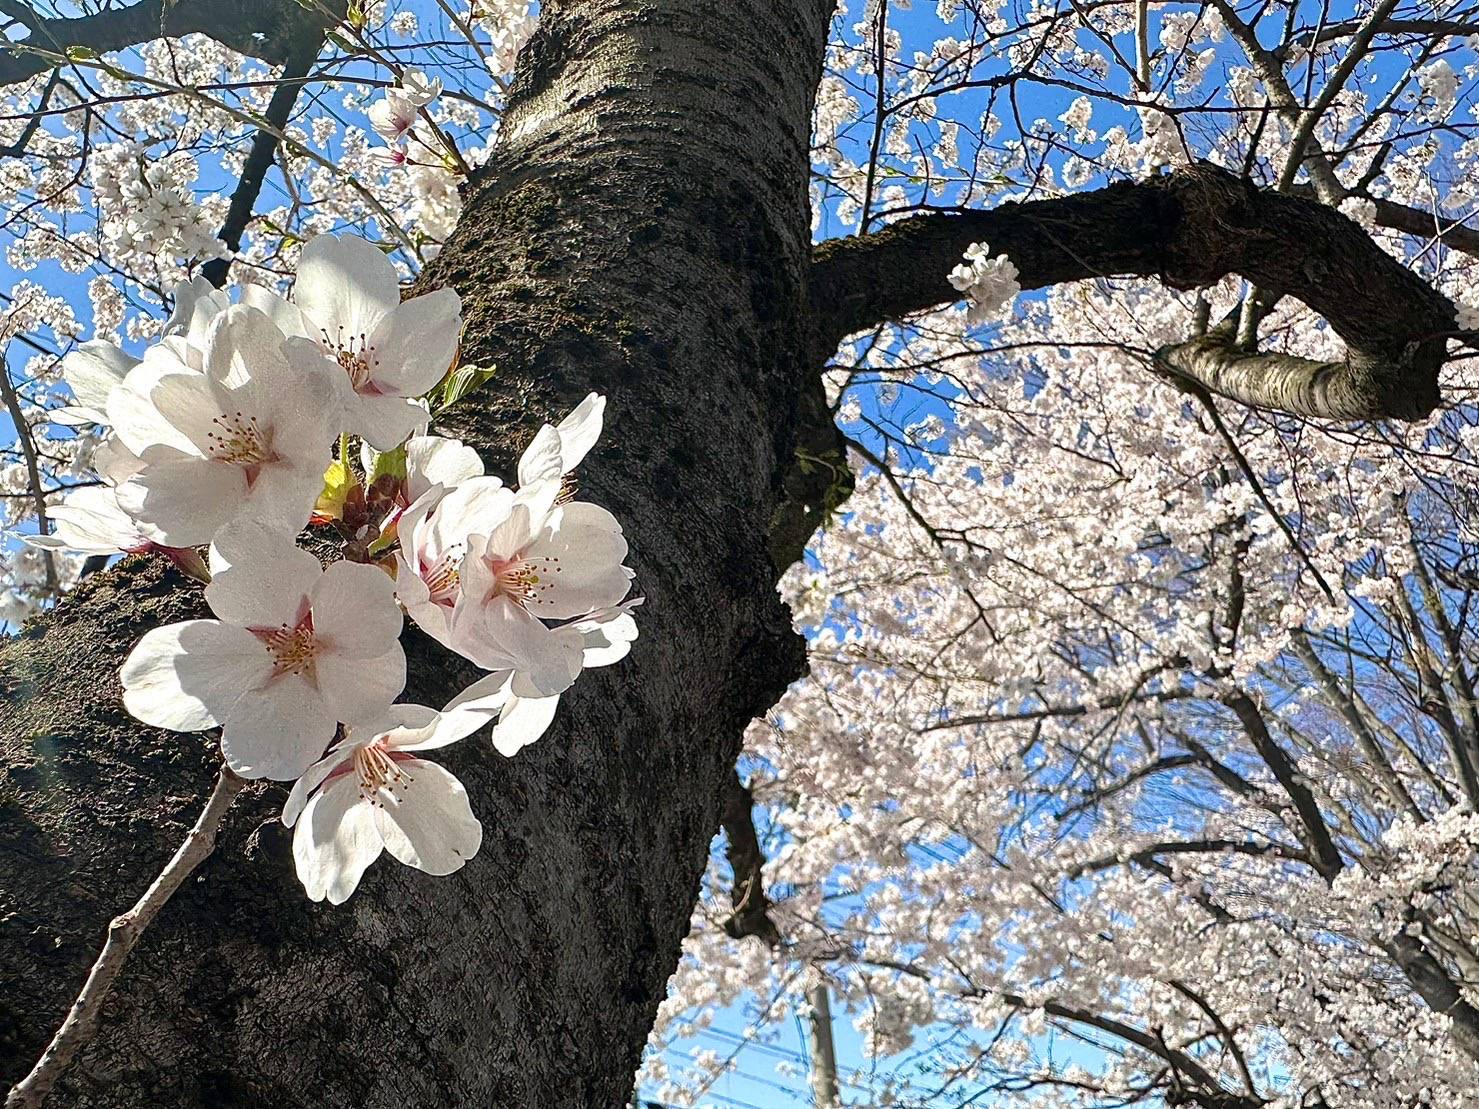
[223,434]
[990,284]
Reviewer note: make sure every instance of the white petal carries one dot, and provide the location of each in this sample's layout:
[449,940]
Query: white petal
[607,642]
[432,460]
[277,731]
[132,414]
[354,610]
[311,779]
[287,317]
[259,578]
[523,720]
[241,345]
[114,462]
[385,422]
[335,842]
[541,459]
[189,676]
[91,520]
[182,499]
[361,689]
[414,346]
[197,304]
[92,370]
[440,730]
[283,496]
[578,563]
[429,824]
[580,430]
[345,286]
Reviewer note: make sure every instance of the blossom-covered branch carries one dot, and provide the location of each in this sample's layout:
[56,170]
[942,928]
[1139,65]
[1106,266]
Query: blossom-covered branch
[1189,229]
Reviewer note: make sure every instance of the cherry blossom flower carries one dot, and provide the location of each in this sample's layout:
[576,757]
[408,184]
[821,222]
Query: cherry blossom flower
[481,567]
[248,436]
[91,521]
[433,533]
[372,794]
[394,117]
[347,301]
[295,650]
[604,638]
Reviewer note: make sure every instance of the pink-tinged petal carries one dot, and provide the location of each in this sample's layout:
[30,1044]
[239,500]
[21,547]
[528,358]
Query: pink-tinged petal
[522,721]
[432,460]
[191,675]
[311,779]
[578,562]
[336,841]
[580,430]
[182,500]
[414,346]
[501,636]
[259,577]
[354,611]
[278,730]
[428,823]
[345,287]
[385,422]
[359,690]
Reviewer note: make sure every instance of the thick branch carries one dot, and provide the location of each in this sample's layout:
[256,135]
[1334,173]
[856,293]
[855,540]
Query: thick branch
[751,916]
[1188,229]
[264,29]
[301,56]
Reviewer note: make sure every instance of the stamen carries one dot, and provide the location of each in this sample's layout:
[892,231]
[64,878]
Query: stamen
[292,647]
[523,580]
[354,354]
[238,440]
[378,773]
[443,577]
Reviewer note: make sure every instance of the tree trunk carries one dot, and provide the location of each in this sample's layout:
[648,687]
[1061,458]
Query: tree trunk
[642,230]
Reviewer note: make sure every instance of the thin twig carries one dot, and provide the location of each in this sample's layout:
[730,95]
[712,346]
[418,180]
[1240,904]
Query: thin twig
[33,471]
[123,933]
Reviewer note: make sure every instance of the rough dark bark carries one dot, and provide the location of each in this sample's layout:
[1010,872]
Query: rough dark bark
[643,231]
[1189,229]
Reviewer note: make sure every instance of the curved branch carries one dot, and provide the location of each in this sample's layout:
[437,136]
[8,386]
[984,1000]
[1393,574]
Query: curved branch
[264,29]
[1188,229]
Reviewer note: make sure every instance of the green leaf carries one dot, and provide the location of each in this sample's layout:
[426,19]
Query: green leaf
[392,463]
[81,54]
[460,382]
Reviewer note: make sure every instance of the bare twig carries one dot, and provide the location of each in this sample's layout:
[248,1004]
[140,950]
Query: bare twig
[33,470]
[123,933]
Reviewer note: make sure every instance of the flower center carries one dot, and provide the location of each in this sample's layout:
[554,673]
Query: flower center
[354,354]
[378,772]
[292,647]
[443,577]
[239,440]
[523,580]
